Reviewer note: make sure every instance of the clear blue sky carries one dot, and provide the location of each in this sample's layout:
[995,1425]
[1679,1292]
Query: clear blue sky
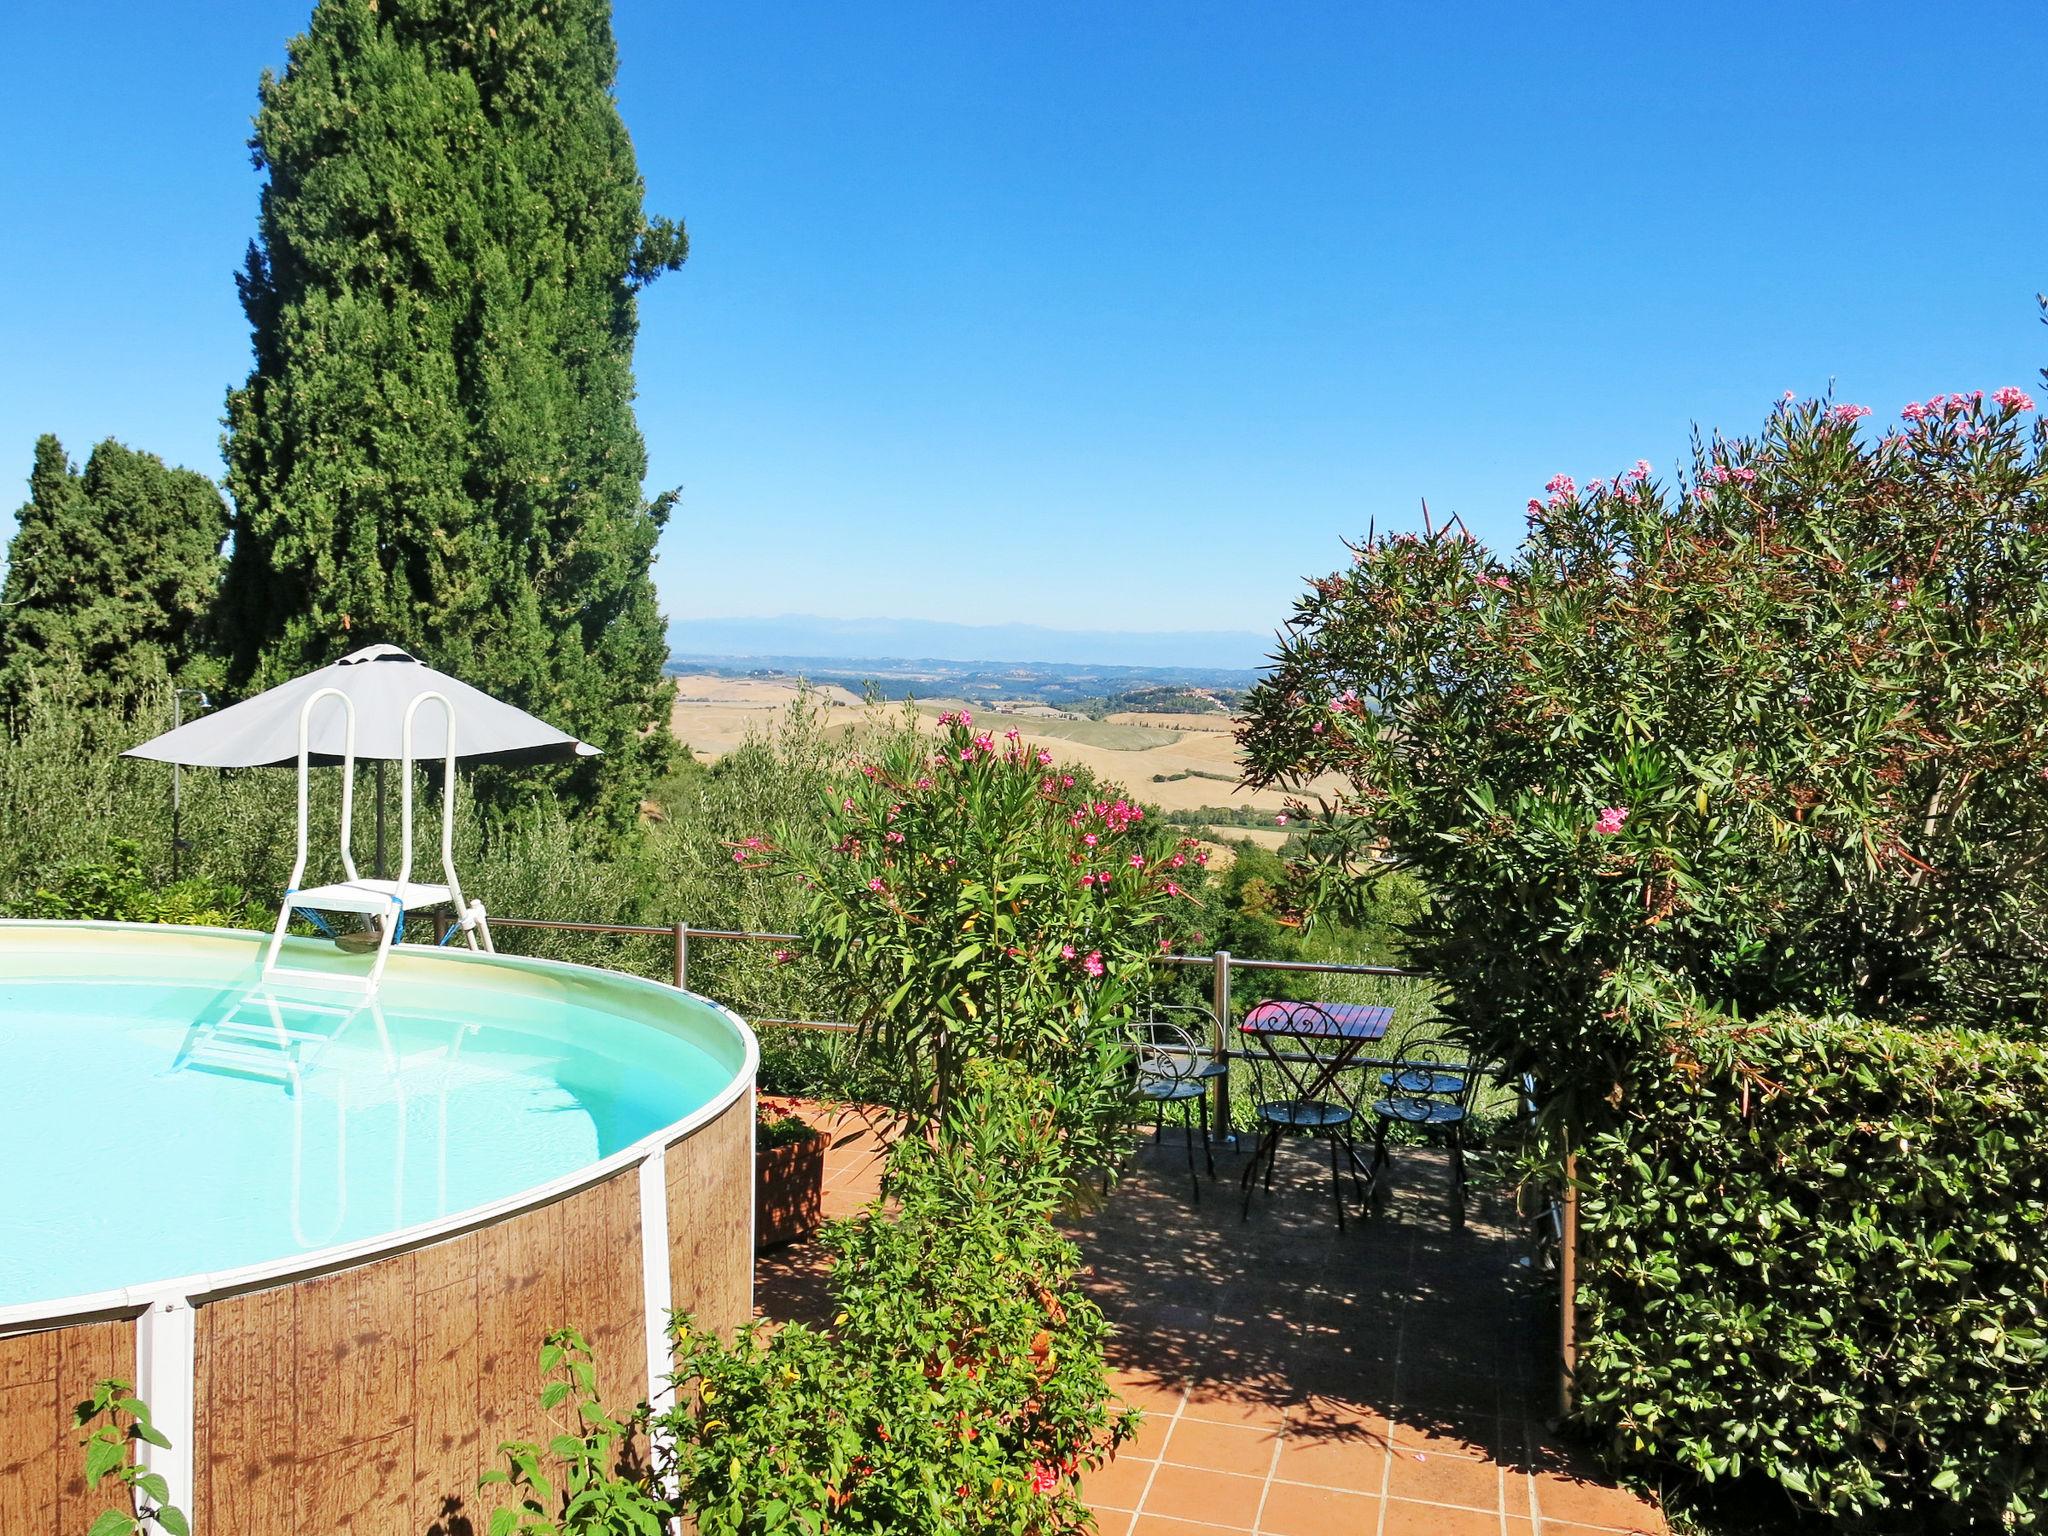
[1119,316]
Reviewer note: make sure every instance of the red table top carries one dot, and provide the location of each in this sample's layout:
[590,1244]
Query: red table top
[1327,1021]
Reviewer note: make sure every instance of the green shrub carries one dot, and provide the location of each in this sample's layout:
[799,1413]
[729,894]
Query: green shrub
[122,891]
[961,1386]
[969,898]
[1775,736]
[1817,1249]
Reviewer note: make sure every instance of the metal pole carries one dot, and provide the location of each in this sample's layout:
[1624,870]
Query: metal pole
[682,932]
[177,784]
[1568,1285]
[1219,1009]
[380,818]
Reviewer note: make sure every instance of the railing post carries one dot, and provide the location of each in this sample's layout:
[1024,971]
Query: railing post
[1219,1008]
[1568,1286]
[682,957]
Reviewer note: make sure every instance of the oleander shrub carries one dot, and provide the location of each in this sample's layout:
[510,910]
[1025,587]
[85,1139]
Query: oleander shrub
[1816,1250]
[1772,735]
[960,1386]
[971,898]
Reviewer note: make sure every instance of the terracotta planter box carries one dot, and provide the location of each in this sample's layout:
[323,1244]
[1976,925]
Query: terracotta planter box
[789,1191]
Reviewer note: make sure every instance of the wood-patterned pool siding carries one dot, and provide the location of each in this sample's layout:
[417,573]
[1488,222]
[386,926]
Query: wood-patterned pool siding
[369,1398]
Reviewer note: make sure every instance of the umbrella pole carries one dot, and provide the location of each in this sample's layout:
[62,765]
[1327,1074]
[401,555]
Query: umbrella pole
[380,818]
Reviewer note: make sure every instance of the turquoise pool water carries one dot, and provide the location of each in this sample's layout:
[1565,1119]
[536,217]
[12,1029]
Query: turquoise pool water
[158,1125]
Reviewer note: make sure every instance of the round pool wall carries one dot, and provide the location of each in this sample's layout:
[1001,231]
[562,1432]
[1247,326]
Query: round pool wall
[364,1386]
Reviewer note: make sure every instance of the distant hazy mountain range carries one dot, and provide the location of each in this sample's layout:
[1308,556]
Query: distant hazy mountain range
[805,635]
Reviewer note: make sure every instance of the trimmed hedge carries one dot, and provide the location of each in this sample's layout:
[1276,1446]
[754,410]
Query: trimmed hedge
[1813,1249]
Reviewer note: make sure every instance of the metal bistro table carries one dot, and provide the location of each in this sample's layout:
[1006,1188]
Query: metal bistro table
[1307,1046]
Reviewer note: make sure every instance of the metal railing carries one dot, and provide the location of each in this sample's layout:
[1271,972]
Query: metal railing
[1223,965]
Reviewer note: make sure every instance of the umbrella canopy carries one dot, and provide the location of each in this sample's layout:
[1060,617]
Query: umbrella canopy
[382,680]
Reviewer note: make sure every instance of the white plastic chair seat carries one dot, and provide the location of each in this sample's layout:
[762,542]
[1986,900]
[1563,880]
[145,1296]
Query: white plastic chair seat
[372,896]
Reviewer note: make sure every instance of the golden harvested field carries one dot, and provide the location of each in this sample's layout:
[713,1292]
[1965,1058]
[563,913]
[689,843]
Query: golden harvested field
[714,714]
[1171,722]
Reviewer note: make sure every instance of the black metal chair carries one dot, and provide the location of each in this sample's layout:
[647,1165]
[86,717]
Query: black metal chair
[1293,1090]
[1431,1090]
[1175,1068]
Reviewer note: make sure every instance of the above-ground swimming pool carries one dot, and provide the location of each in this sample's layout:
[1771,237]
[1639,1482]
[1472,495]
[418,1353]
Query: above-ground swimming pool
[244,1194]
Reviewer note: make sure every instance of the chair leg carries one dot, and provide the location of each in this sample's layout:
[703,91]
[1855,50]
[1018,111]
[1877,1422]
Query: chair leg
[1272,1157]
[1187,1141]
[1336,1184]
[1358,1185]
[1250,1168]
[1208,1155]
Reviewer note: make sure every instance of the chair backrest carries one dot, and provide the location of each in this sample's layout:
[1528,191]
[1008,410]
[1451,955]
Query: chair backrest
[1423,1062]
[1282,1065]
[1166,1051]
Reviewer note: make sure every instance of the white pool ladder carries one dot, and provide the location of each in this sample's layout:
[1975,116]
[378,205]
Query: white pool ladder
[385,902]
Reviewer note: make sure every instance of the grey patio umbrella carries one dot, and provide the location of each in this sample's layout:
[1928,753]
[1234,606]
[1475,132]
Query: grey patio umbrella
[263,732]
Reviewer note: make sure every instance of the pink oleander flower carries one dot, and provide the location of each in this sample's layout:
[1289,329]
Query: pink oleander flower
[1317,728]
[1170,888]
[924,783]
[1177,860]
[1011,734]
[985,742]
[875,884]
[1535,507]
[894,837]
[1849,413]
[1915,411]
[1066,951]
[966,718]
[1044,758]
[1093,964]
[1611,819]
[782,957]
[1066,781]
[846,805]
[1090,839]
[967,754]
[1043,1478]
[739,855]
[1898,603]
[1641,470]
[1496,581]
[1280,820]
[1137,861]
[1560,485]
[1202,859]
[2012,399]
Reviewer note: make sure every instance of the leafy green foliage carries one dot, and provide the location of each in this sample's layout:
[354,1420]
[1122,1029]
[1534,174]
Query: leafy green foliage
[596,1487]
[961,1385]
[970,898]
[123,891]
[1776,740]
[110,575]
[436,444]
[776,1126]
[108,1449]
[1815,1251]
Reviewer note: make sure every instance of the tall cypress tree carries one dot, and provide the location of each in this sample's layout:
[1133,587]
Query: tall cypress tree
[436,444]
[110,574]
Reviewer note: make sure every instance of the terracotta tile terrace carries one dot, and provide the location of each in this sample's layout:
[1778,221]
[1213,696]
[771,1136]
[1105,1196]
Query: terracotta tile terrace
[1389,1380]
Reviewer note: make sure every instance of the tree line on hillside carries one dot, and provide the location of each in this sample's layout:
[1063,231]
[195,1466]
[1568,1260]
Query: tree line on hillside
[435,445]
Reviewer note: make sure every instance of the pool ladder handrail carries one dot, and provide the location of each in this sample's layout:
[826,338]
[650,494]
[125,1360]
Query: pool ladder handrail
[385,901]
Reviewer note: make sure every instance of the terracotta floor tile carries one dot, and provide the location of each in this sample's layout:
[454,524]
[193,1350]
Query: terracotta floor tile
[1221,1447]
[1573,1528]
[1217,1498]
[1357,1466]
[1117,1486]
[1409,1519]
[1150,1437]
[1165,1525]
[1222,1405]
[1294,1510]
[1586,1503]
[1489,1440]
[1445,1480]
